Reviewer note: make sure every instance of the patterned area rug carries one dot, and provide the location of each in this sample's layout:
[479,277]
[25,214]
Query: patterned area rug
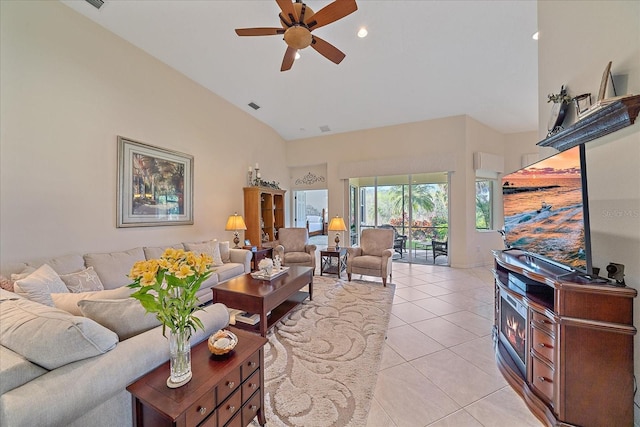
[322,360]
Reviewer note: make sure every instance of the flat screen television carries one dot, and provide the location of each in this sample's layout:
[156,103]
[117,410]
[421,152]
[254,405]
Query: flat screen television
[546,210]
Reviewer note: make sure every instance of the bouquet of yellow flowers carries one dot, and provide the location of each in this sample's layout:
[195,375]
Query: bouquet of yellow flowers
[168,286]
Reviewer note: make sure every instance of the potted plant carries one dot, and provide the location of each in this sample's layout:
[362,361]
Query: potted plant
[167,287]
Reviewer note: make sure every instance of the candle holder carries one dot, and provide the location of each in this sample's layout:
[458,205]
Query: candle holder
[250,178]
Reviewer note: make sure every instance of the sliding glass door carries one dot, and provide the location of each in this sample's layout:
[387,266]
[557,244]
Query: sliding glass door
[415,206]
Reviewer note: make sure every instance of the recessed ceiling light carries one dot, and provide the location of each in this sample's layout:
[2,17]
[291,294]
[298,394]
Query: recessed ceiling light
[535,35]
[362,32]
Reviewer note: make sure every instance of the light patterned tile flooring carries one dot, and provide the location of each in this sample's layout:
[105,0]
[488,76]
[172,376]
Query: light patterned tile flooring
[437,367]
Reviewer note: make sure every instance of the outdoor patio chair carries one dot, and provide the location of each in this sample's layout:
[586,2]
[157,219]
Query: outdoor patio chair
[439,248]
[399,240]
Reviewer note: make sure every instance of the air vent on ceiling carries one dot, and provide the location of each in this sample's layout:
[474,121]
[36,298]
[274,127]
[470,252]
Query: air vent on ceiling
[95,3]
[325,128]
[254,105]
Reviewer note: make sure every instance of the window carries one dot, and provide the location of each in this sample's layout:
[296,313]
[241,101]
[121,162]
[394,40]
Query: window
[484,210]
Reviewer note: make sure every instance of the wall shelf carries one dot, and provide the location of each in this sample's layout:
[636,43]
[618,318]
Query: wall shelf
[615,116]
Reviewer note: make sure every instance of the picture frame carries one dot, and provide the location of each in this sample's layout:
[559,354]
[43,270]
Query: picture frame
[247,242]
[583,104]
[155,186]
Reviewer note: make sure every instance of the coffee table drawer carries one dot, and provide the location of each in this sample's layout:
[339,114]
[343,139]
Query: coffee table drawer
[250,408]
[230,407]
[250,365]
[228,384]
[201,409]
[250,386]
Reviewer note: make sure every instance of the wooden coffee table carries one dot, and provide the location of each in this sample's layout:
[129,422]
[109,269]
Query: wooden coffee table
[278,296]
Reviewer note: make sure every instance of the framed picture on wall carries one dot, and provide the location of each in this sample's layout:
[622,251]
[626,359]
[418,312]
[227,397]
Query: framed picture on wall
[155,186]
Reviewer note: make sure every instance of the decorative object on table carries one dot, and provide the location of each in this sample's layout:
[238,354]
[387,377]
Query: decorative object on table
[277,262]
[298,21]
[155,186]
[583,103]
[167,287]
[235,223]
[337,224]
[561,103]
[260,274]
[222,342]
[247,242]
[250,177]
[265,266]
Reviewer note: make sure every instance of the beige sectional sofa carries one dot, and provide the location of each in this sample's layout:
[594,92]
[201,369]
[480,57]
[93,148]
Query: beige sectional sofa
[67,357]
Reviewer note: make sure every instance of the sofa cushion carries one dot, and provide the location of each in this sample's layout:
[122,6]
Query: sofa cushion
[113,268]
[82,281]
[69,302]
[228,271]
[50,337]
[155,252]
[27,270]
[15,370]
[126,317]
[296,258]
[64,264]
[39,285]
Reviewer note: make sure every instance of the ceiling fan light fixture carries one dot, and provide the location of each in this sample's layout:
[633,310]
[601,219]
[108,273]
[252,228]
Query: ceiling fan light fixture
[297,55]
[298,37]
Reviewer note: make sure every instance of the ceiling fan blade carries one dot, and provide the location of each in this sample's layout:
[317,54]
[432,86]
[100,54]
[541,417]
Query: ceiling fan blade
[327,50]
[331,13]
[289,57]
[286,6]
[263,31]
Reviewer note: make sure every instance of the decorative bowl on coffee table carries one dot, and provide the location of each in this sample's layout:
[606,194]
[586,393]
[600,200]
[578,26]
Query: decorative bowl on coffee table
[222,342]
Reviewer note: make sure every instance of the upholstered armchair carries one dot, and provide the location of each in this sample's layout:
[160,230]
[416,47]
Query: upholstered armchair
[373,257]
[294,247]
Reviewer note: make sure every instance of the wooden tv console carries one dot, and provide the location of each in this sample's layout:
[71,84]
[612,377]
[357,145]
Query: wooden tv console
[578,347]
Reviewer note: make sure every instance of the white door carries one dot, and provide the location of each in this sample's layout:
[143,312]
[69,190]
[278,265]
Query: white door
[301,209]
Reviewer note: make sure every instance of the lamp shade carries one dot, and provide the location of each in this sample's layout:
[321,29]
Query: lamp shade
[337,224]
[235,222]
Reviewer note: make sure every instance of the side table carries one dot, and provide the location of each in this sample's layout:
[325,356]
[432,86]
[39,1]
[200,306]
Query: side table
[258,254]
[224,390]
[326,260]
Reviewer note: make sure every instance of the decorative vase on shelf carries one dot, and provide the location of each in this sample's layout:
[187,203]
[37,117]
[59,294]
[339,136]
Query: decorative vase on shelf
[180,358]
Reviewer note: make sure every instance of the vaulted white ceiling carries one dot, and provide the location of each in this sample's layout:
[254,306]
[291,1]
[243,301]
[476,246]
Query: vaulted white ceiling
[421,60]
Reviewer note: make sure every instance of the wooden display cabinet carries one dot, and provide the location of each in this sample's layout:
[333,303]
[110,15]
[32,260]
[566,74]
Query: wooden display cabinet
[263,214]
[564,341]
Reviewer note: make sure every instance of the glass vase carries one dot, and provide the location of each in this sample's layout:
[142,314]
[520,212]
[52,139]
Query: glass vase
[180,358]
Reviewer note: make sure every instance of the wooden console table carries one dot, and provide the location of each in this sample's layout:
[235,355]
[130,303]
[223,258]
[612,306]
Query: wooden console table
[226,391]
[564,342]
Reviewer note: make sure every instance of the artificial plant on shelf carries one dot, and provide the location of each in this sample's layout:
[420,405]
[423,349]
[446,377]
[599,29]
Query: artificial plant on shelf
[167,288]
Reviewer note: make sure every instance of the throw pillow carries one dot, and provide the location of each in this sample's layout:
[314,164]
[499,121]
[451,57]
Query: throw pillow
[69,301]
[6,284]
[27,271]
[50,337]
[126,317]
[224,252]
[82,281]
[210,248]
[39,285]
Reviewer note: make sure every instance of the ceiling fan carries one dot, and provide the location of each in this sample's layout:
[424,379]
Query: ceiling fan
[298,21]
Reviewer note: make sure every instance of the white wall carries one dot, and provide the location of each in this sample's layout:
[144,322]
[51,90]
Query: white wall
[577,40]
[68,89]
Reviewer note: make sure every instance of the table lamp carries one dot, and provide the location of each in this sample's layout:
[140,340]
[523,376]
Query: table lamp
[235,223]
[337,224]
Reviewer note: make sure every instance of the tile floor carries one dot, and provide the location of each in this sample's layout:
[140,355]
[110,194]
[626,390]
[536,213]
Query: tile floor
[438,367]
